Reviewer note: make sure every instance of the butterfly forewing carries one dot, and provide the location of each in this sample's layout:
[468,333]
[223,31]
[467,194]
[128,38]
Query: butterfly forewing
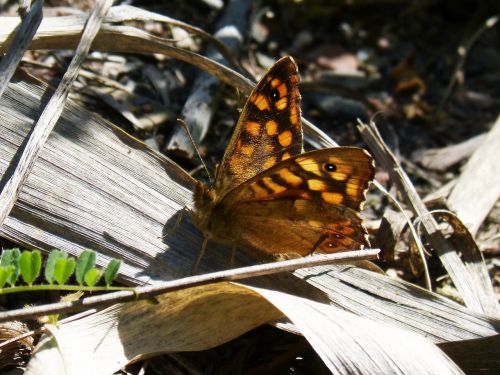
[268,130]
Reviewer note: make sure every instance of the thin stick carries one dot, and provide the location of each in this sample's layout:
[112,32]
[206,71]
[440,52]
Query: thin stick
[188,282]
[462,52]
[50,114]
[22,38]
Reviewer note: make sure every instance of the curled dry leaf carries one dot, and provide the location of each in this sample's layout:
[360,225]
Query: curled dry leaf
[191,320]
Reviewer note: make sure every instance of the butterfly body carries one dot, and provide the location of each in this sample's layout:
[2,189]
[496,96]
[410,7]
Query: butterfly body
[270,196]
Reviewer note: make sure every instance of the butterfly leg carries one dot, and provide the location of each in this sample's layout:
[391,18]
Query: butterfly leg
[233,255]
[200,255]
[318,243]
[177,223]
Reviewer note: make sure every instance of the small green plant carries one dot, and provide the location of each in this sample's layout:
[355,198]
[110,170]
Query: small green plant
[59,267]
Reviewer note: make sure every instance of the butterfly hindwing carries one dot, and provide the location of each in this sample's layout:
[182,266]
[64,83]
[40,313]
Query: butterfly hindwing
[297,226]
[309,202]
[336,176]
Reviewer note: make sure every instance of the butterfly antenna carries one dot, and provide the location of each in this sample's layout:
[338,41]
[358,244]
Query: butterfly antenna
[184,125]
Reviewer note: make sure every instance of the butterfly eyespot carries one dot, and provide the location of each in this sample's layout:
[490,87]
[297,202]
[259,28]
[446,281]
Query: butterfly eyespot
[275,95]
[329,167]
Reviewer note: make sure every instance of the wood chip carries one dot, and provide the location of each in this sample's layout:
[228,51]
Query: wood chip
[478,187]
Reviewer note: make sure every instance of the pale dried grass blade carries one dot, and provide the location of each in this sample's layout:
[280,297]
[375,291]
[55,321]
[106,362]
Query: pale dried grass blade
[63,32]
[440,159]
[478,187]
[19,43]
[399,303]
[350,344]
[48,119]
[125,13]
[95,187]
[466,282]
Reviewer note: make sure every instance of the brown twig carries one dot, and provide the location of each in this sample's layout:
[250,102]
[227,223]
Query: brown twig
[462,52]
[188,282]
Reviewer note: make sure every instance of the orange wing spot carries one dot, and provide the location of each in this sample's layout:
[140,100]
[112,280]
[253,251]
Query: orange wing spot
[271,127]
[286,155]
[352,189]
[332,198]
[269,163]
[283,90]
[338,176]
[294,115]
[235,162]
[290,178]
[281,104]
[309,165]
[271,184]
[258,190]
[346,230]
[253,128]
[260,101]
[246,149]
[285,138]
[317,185]
[275,82]
[342,166]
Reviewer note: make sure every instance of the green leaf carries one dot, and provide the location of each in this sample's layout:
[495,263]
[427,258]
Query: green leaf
[30,264]
[11,258]
[63,269]
[92,276]
[5,273]
[111,271]
[84,264]
[51,264]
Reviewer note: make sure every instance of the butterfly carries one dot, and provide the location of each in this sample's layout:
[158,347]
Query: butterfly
[269,195]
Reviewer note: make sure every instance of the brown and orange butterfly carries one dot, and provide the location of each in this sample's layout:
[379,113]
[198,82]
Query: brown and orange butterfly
[270,196]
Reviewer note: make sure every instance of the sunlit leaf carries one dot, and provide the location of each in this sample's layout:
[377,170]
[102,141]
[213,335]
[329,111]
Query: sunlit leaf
[64,269]
[111,271]
[51,264]
[5,273]
[84,263]
[11,258]
[30,264]
[92,276]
